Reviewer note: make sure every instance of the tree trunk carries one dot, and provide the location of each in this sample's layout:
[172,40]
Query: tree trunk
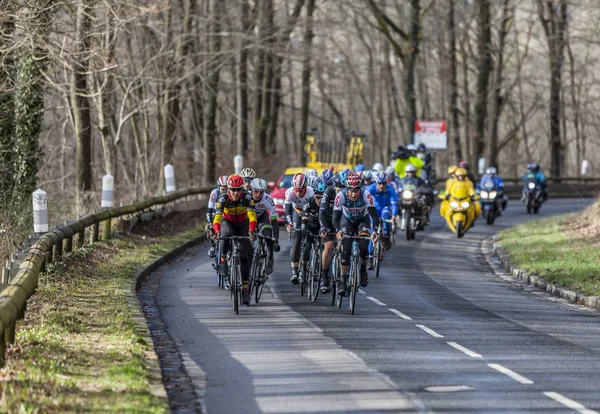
[411,62]
[455,128]
[485,70]
[242,82]
[306,70]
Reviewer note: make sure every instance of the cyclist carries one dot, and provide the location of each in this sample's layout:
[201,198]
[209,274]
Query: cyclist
[367,178]
[266,217]
[353,206]
[325,220]
[210,212]
[310,217]
[386,203]
[248,174]
[235,216]
[295,198]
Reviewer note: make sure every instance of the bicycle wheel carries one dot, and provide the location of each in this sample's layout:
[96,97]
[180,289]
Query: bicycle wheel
[234,285]
[376,258]
[333,272]
[353,282]
[254,273]
[262,275]
[315,282]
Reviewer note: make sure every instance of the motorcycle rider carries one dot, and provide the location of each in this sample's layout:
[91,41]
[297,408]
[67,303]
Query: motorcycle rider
[465,165]
[427,172]
[540,177]
[451,177]
[295,198]
[266,217]
[386,203]
[403,158]
[211,210]
[422,189]
[490,175]
[248,174]
[474,208]
[235,215]
[353,206]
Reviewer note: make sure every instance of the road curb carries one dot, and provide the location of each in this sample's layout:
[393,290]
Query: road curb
[539,282]
[168,380]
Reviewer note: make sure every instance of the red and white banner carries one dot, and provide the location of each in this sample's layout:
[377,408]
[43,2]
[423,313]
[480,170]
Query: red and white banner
[431,133]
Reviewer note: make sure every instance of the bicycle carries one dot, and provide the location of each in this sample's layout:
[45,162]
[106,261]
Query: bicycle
[378,250]
[354,273]
[314,268]
[258,272]
[235,271]
[305,273]
[392,231]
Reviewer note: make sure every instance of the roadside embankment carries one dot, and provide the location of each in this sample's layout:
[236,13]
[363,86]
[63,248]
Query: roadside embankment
[83,346]
[558,254]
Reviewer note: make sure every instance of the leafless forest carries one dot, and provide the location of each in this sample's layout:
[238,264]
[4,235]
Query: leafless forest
[123,87]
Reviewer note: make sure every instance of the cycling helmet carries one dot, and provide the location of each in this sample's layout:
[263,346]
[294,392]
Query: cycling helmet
[327,176]
[380,177]
[452,169]
[222,181]
[353,180]
[460,171]
[359,167]
[410,168]
[346,171]
[320,187]
[463,164]
[390,171]
[421,148]
[299,181]
[311,172]
[378,167]
[312,181]
[248,173]
[340,180]
[235,181]
[258,184]
[490,170]
[368,175]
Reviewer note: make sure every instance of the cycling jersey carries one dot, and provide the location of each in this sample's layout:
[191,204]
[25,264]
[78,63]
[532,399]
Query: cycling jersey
[354,210]
[212,201]
[311,211]
[235,212]
[295,202]
[326,208]
[387,198]
[267,205]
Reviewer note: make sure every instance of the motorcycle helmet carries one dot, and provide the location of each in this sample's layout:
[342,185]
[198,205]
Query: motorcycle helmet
[353,180]
[452,169]
[460,172]
[320,187]
[235,181]
[359,167]
[258,184]
[380,177]
[222,181]
[327,176]
[535,167]
[464,164]
[412,149]
[402,153]
[421,148]
[248,173]
[490,170]
[378,167]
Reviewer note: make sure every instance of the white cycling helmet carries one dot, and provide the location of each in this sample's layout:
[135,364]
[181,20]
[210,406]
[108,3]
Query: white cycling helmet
[248,173]
[390,170]
[378,167]
[312,180]
[258,184]
[311,172]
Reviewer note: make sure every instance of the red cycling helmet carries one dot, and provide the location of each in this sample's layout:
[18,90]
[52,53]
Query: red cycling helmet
[222,181]
[353,180]
[235,181]
[299,181]
[463,164]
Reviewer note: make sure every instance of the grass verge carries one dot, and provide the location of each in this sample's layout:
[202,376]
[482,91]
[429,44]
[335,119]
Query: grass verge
[77,349]
[557,249]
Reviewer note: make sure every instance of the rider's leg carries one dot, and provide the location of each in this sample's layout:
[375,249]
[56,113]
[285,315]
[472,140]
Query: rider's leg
[265,228]
[348,228]
[363,229]
[295,250]
[386,214]
[245,259]
[326,256]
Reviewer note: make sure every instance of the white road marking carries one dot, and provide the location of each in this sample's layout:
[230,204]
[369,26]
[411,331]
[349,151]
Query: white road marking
[574,405]
[430,331]
[464,350]
[362,291]
[372,299]
[449,388]
[512,374]
[400,314]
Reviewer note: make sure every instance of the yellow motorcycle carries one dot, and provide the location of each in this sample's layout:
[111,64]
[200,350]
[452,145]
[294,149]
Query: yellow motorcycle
[460,208]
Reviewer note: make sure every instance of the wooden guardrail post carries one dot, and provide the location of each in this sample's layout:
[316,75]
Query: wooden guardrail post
[94,237]
[69,240]
[57,250]
[106,230]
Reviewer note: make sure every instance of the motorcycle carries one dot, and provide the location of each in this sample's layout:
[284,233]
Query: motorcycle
[532,194]
[489,201]
[457,209]
[412,218]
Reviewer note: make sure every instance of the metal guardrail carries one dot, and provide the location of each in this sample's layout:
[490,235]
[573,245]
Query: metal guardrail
[50,247]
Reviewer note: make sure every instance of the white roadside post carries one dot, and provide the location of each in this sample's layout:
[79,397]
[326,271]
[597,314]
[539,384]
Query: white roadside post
[169,179]
[108,184]
[40,211]
[481,164]
[585,167]
[238,163]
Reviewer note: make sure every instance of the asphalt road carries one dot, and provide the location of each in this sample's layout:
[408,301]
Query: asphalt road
[438,331]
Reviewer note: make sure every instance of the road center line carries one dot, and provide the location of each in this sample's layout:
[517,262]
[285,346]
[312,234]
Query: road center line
[400,314]
[372,299]
[574,405]
[464,350]
[512,374]
[430,331]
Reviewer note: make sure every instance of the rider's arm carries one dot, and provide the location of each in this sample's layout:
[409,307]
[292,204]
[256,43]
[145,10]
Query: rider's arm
[337,210]
[251,213]
[394,202]
[289,208]
[323,209]
[368,198]
[212,200]
[273,216]
[218,213]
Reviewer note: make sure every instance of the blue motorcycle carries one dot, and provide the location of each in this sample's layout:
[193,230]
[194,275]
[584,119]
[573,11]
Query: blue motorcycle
[489,199]
[532,194]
